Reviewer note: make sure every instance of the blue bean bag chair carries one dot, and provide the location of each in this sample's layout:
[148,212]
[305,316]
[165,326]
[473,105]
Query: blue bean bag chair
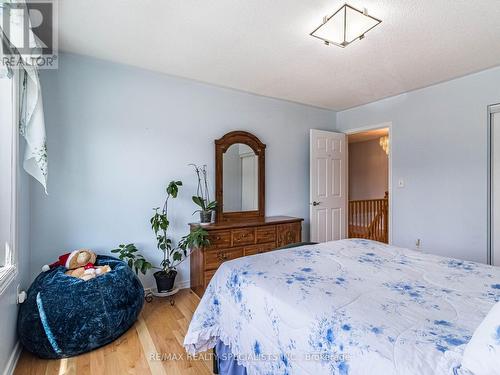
[64,316]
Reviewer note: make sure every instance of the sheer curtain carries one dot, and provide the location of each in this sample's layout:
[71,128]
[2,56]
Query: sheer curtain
[31,118]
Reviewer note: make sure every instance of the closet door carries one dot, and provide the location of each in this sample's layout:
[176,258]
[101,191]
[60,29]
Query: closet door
[495,186]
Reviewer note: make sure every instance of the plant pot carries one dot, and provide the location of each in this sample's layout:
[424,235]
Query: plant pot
[165,280]
[205,217]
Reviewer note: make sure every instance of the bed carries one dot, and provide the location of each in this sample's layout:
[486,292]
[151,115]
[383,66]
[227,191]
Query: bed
[344,307]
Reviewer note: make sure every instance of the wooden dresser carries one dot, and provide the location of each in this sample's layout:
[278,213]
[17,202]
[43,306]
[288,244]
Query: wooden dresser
[233,240]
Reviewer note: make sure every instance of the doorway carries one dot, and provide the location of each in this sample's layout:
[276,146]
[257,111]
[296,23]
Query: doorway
[369,184]
[330,216]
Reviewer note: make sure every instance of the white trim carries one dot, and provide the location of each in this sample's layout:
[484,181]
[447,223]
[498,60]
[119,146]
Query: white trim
[7,275]
[8,271]
[15,182]
[15,172]
[184,284]
[14,357]
[492,109]
[382,125]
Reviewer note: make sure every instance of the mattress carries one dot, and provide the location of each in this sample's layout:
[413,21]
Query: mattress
[345,307]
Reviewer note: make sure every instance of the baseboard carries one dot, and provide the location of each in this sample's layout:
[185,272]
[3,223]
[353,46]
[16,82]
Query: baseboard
[14,357]
[185,284]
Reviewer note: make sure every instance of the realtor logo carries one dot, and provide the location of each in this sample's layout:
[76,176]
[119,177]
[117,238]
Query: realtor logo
[29,34]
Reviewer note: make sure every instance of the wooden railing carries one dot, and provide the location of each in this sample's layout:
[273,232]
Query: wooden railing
[369,219]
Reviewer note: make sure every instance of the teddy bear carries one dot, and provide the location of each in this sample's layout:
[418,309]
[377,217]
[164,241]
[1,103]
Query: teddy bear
[88,272]
[80,264]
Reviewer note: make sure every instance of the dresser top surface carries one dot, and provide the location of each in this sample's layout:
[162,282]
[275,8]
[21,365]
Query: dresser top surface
[268,220]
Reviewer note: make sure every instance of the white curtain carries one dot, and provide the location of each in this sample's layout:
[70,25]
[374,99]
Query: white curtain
[31,118]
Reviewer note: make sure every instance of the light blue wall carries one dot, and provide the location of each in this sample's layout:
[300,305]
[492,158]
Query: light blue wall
[118,134]
[439,147]
[8,306]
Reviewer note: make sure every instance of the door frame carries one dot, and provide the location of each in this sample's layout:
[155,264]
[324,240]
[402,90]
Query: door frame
[491,109]
[361,129]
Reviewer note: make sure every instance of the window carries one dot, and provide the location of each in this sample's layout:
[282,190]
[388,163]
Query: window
[8,174]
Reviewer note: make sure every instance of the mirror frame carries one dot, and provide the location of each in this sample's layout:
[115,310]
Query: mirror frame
[221,146]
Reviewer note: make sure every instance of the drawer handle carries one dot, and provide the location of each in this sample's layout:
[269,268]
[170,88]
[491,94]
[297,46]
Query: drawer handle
[222,256]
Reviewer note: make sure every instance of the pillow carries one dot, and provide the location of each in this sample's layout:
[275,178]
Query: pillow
[482,353]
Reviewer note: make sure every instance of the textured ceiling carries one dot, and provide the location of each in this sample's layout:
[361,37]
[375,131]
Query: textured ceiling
[263,46]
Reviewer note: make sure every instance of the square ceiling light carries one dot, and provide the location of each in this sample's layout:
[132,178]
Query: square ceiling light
[345,26]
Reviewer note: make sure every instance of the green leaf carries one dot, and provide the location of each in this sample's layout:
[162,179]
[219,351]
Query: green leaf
[199,202]
[211,206]
[136,261]
[138,264]
[173,188]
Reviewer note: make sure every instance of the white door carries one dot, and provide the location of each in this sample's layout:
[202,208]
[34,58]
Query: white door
[328,185]
[495,188]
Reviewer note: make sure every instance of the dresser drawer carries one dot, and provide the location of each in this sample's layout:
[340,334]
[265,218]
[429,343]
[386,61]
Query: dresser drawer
[288,233]
[265,234]
[221,238]
[208,276]
[244,236]
[258,249]
[215,257]
[232,240]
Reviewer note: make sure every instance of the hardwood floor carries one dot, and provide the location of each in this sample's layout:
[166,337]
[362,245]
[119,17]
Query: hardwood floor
[152,346]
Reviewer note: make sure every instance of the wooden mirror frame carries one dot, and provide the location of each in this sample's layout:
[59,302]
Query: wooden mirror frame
[221,146]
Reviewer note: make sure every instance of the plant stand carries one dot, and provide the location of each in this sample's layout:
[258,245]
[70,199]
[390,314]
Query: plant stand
[153,292]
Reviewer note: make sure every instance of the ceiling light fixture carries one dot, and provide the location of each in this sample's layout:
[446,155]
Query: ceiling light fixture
[384,143]
[345,26]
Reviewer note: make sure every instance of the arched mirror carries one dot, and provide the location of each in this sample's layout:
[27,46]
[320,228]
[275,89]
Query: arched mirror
[240,177]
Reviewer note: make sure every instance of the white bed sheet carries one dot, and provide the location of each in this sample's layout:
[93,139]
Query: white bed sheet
[345,307]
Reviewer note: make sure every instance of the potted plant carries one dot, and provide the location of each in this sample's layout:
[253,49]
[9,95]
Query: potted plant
[172,255]
[202,197]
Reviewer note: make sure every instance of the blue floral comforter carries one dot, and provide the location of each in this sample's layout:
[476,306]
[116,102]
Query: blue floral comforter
[345,307]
